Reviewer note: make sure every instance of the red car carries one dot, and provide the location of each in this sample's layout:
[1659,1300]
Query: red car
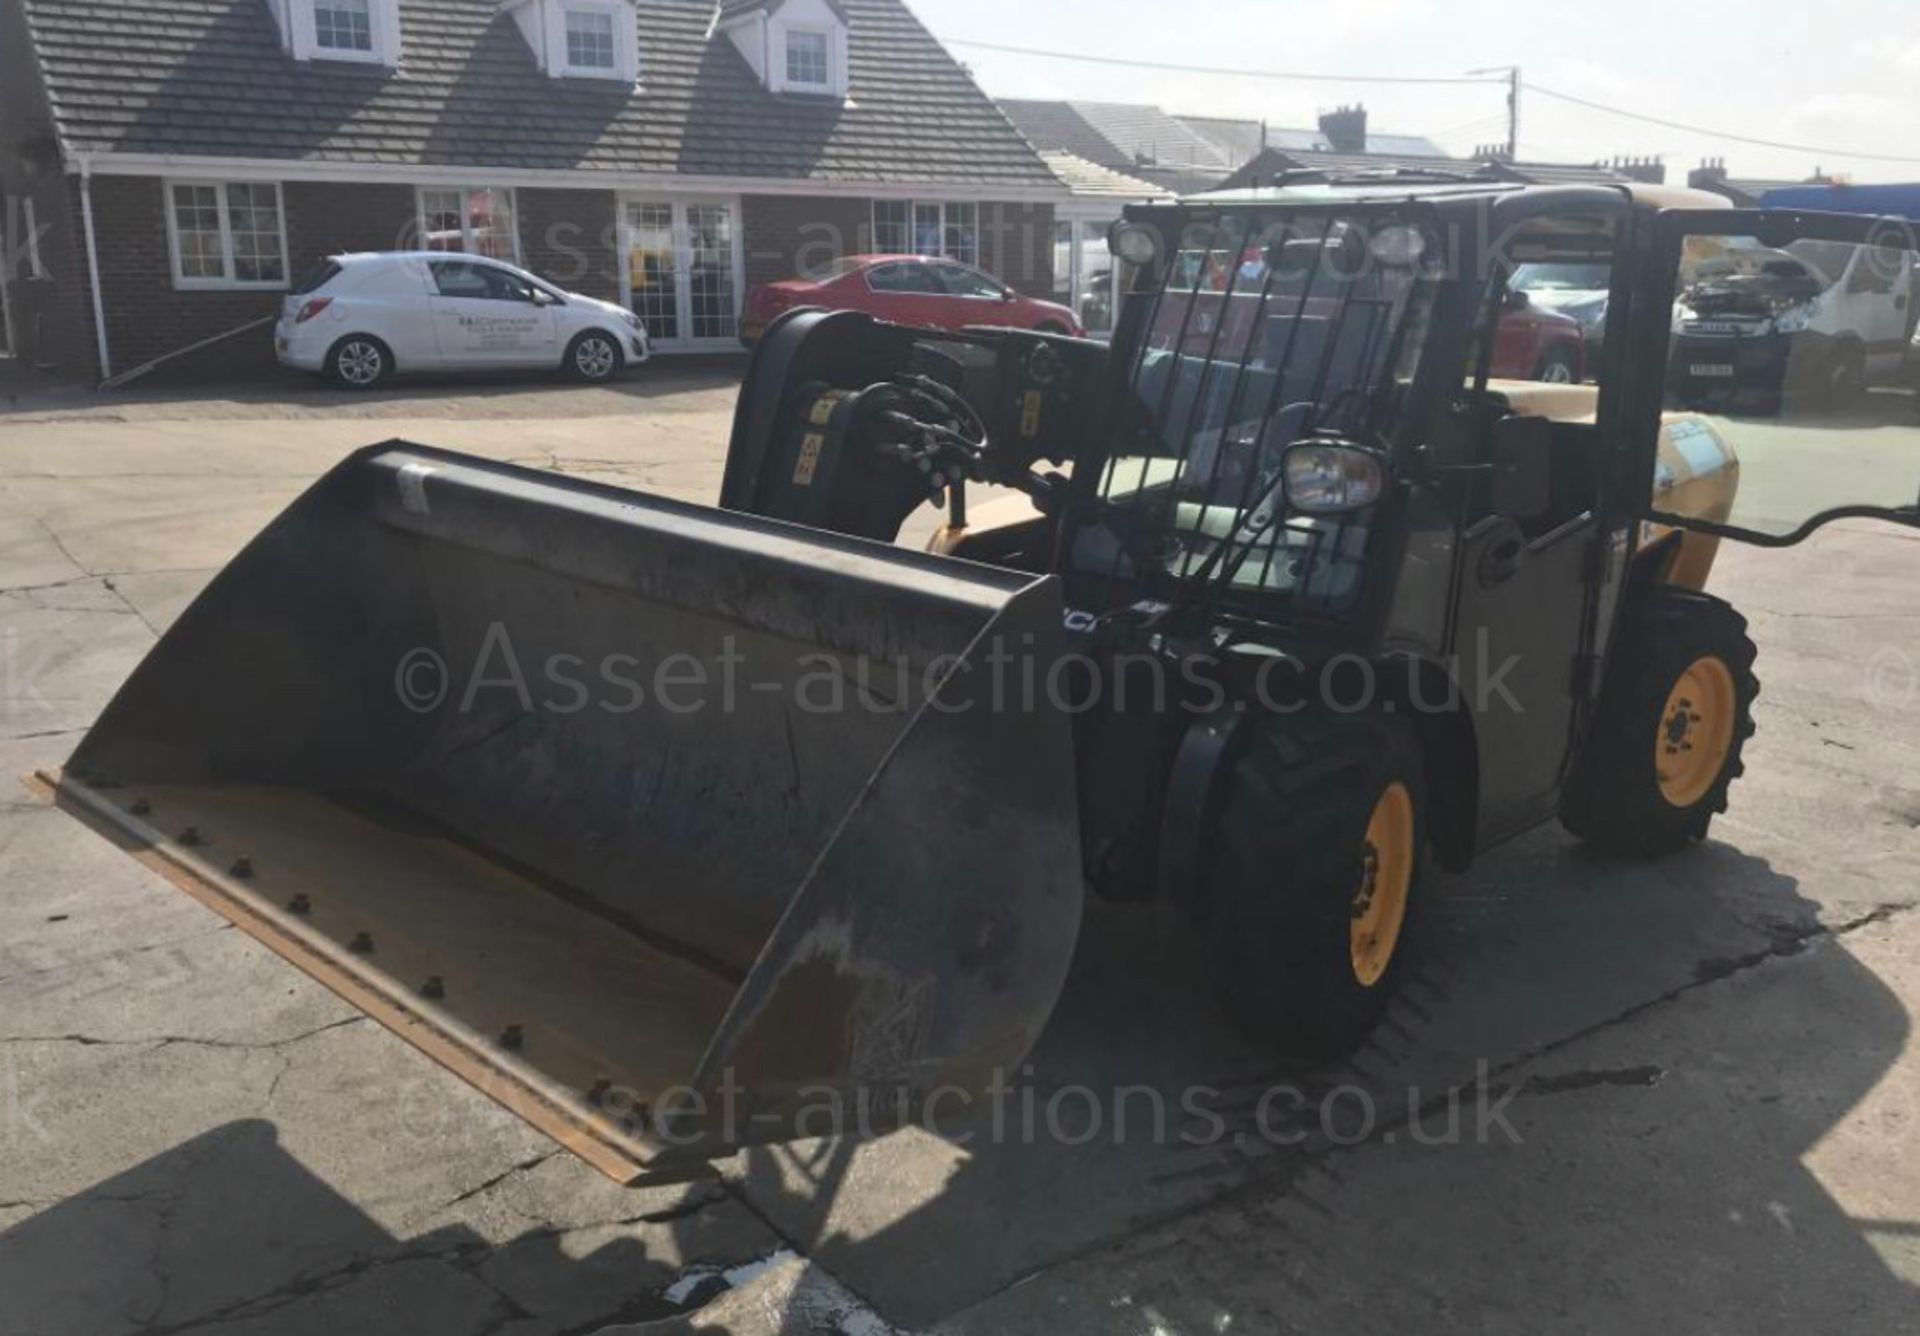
[908,290]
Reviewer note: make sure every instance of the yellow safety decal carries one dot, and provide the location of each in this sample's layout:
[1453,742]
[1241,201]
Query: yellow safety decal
[810,447]
[1030,413]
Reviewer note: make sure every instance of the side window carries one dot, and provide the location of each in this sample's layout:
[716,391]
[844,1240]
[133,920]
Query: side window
[505,286]
[906,278]
[453,278]
[1788,373]
[964,282]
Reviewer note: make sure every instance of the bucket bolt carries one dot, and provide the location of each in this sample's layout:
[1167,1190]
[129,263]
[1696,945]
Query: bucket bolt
[601,1087]
[190,837]
[362,944]
[242,869]
[435,988]
[512,1038]
[300,904]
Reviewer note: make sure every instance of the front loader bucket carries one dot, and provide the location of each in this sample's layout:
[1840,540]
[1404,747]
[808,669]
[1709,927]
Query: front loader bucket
[653,821]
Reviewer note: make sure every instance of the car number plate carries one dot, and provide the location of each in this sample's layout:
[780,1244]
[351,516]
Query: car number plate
[1710,369]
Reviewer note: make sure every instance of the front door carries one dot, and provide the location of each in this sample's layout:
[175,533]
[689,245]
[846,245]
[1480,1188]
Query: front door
[485,316]
[682,272]
[1774,317]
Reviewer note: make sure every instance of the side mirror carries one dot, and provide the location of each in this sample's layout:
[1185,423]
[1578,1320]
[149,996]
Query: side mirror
[1521,453]
[1008,295]
[1517,300]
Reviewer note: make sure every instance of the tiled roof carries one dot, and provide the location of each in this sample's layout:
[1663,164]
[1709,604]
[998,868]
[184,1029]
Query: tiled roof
[208,77]
[1237,140]
[1090,179]
[1055,127]
[1148,136]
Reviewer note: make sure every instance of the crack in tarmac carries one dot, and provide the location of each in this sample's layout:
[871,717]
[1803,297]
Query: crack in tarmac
[158,1042]
[1792,941]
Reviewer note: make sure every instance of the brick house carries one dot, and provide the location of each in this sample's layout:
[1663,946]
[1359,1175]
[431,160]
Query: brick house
[168,166]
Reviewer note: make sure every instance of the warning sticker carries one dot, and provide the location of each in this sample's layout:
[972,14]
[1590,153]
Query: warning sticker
[810,447]
[1030,413]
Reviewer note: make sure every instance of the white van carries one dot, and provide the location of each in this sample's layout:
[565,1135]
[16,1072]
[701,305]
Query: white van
[359,319]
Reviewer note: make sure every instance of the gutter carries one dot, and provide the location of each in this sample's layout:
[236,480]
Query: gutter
[93,268]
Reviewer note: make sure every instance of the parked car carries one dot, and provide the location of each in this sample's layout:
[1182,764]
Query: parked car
[1576,290]
[908,290]
[358,319]
[1820,318]
[1533,342]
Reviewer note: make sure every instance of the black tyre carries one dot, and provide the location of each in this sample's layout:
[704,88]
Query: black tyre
[1844,376]
[359,362]
[594,357]
[1558,366]
[1315,878]
[1675,715]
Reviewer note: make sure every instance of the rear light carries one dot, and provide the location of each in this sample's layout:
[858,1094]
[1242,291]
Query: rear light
[313,308]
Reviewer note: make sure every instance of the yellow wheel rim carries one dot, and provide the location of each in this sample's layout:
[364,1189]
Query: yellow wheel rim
[1696,732]
[1386,877]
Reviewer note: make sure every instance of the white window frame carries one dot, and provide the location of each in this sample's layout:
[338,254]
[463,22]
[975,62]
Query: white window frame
[466,229]
[565,51]
[228,282]
[373,55]
[913,208]
[35,269]
[826,82]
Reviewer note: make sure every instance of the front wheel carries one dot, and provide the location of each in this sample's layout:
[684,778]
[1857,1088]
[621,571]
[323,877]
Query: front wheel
[1675,714]
[593,357]
[1315,878]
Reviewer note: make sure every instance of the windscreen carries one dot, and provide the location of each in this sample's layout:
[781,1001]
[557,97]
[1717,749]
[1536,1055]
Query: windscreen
[1261,331]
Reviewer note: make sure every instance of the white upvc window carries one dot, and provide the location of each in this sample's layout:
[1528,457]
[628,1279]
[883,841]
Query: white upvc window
[35,267]
[474,220]
[343,29]
[949,230]
[809,59]
[226,234]
[590,42]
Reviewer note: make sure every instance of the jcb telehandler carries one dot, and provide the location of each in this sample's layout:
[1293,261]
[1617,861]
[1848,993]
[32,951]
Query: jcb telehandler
[658,822]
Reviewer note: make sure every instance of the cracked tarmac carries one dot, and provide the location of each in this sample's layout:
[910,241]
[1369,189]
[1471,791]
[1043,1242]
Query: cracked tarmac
[1687,1091]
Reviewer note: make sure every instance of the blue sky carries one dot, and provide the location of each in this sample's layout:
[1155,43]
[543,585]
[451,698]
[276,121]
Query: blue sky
[1835,76]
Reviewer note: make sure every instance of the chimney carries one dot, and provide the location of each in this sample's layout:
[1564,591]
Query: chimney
[1492,153]
[1650,171]
[1345,129]
[1710,172]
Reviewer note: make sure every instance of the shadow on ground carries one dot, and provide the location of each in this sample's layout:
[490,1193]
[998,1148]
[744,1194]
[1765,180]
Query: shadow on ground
[1543,952]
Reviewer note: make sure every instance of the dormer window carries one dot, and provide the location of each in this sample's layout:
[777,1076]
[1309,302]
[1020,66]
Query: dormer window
[344,26]
[794,46]
[589,41]
[581,39]
[807,59]
[363,30]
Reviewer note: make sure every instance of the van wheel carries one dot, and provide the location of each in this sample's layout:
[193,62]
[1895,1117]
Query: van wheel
[1674,717]
[1845,378]
[359,362]
[1558,367]
[1315,878]
[593,357]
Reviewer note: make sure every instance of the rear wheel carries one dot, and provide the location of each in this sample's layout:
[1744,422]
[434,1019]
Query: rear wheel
[1674,717]
[1315,878]
[359,362]
[1844,378]
[593,357]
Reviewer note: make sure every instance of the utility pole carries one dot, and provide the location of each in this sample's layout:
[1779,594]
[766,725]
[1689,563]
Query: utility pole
[1513,105]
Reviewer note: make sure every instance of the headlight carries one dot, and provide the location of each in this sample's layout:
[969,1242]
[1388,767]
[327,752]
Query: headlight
[1332,479]
[632,319]
[1793,319]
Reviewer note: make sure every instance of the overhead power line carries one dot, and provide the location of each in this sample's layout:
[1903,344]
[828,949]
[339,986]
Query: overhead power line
[1304,76]
[1131,63]
[1713,134]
